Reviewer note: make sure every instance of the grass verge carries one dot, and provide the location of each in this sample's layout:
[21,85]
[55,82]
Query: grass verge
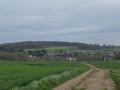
[113,66]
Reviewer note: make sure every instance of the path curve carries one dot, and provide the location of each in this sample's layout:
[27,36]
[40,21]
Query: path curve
[94,79]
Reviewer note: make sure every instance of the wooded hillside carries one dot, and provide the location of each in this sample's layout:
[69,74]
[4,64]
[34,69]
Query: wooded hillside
[44,44]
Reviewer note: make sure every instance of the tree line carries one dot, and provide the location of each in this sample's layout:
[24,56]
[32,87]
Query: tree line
[43,44]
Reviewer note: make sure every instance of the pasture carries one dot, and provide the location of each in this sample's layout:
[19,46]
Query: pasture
[58,48]
[76,49]
[101,51]
[28,75]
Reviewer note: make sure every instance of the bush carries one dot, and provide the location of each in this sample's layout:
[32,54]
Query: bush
[8,56]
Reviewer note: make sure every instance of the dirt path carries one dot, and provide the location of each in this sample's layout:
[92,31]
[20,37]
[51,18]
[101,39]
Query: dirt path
[94,79]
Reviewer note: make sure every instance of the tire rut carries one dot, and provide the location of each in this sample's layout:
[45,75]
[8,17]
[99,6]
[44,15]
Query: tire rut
[94,79]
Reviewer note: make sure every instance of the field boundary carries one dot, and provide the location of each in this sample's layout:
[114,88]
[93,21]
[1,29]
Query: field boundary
[74,81]
[55,78]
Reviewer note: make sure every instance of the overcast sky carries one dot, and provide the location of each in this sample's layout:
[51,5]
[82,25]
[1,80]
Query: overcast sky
[88,21]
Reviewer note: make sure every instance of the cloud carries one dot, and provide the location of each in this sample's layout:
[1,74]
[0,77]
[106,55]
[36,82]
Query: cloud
[36,32]
[48,20]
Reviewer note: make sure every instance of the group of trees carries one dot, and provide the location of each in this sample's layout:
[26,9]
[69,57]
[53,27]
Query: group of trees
[38,44]
[38,53]
[116,56]
[18,56]
[43,44]
[94,46]
[10,49]
[90,58]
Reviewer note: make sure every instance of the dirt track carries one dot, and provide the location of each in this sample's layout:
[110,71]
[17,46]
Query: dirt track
[94,79]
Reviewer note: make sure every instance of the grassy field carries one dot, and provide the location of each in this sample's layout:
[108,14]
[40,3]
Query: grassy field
[58,48]
[26,75]
[114,67]
[75,49]
[102,51]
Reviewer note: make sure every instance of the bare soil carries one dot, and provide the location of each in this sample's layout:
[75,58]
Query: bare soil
[94,79]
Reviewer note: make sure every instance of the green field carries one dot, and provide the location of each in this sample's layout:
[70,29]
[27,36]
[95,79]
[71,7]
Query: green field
[75,49]
[58,48]
[28,75]
[101,51]
[114,67]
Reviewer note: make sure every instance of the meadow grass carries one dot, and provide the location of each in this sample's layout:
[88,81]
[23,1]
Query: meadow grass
[114,67]
[98,51]
[58,48]
[76,49]
[25,74]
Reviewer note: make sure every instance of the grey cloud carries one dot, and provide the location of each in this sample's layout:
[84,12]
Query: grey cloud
[47,20]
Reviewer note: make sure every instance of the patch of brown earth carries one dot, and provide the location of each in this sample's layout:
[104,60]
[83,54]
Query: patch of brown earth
[94,79]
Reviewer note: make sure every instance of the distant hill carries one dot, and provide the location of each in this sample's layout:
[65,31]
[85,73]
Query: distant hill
[117,46]
[39,44]
[45,44]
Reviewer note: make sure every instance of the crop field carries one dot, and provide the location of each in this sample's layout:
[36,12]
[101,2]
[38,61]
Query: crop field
[58,48]
[75,49]
[114,67]
[28,75]
[100,51]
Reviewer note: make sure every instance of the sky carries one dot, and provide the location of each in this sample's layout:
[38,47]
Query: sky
[87,21]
